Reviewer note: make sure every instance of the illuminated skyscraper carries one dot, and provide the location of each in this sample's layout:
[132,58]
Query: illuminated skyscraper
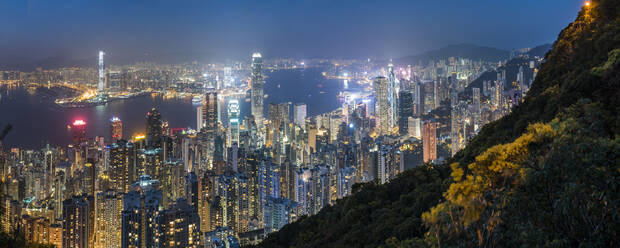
[116,127]
[100,85]
[278,114]
[382,106]
[233,122]
[78,131]
[153,129]
[108,227]
[299,114]
[405,108]
[429,141]
[199,121]
[140,216]
[209,112]
[122,170]
[77,221]
[181,226]
[393,111]
[279,212]
[257,88]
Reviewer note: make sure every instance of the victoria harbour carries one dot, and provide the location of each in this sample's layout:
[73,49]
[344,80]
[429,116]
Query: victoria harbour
[49,124]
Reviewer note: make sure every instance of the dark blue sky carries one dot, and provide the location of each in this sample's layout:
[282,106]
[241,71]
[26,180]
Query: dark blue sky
[233,28]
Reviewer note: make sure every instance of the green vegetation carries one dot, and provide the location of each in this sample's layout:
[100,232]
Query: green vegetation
[548,174]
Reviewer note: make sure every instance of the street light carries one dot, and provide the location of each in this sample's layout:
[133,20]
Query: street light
[588,3]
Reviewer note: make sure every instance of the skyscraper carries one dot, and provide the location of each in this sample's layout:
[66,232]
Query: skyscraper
[140,216]
[417,99]
[77,221]
[429,141]
[116,128]
[392,96]
[257,88]
[233,122]
[209,111]
[199,121]
[153,129]
[181,226]
[278,114]
[299,114]
[100,85]
[382,106]
[78,131]
[405,107]
[108,227]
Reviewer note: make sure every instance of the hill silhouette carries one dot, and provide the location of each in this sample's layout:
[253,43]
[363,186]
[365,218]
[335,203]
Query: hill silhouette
[465,50]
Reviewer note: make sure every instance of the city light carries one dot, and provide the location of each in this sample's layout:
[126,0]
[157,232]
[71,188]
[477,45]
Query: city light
[139,137]
[588,3]
[79,123]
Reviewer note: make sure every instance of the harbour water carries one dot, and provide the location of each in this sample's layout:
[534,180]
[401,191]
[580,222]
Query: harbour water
[36,120]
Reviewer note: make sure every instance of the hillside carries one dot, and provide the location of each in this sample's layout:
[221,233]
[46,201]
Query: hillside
[469,51]
[547,174]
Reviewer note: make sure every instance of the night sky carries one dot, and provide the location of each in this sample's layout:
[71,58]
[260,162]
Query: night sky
[39,29]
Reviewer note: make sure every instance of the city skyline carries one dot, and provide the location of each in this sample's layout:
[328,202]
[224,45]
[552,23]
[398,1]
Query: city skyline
[464,145]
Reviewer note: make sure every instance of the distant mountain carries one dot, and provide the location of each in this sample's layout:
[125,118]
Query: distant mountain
[464,50]
[545,175]
[539,51]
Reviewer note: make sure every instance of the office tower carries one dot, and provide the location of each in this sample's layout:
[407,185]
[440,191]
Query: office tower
[415,127]
[279,212]
[429,141]
[109,207]
[233,158]
[100,85]
[257,88]
[233,122]
[476,100]
[154,129]
[78,131]
[141,225]
[181,226]
[382,106]
[116,128]
[124,80]
[200,123]
[279,115]
[299,114]
[392,96]
[77,221]
[405,107]
[210,112]
[417,99]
